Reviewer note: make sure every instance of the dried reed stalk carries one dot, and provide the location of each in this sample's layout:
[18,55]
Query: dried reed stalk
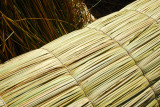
[28,25]
[114,61]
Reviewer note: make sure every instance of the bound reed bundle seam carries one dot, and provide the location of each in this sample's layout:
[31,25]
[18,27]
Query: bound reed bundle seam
[71,75]
[4,104]
[130,56]
[125,50]
[143,14]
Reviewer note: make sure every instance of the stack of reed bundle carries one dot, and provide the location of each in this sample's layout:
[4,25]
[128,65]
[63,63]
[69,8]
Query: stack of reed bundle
[115,61]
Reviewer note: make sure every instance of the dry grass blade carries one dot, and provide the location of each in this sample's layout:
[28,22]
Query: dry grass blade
[37,22]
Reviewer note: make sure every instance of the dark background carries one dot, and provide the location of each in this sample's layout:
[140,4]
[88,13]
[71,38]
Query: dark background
[100,8]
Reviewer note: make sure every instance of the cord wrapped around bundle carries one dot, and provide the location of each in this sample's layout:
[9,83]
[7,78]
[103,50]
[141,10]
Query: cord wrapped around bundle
[115,61]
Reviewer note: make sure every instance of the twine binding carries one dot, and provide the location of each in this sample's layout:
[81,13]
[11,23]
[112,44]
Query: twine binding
[143,14]
[71,75]
[3,102]
[131,57]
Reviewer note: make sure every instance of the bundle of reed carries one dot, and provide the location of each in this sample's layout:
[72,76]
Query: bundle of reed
[114,61]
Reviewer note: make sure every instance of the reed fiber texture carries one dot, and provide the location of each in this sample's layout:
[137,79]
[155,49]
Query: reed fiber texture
[115,61]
